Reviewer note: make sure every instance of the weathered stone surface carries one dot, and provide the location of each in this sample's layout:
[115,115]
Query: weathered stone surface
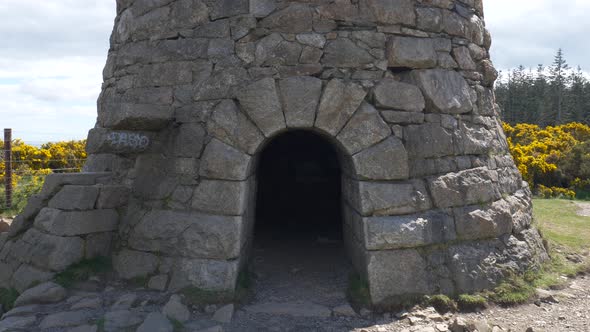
[48,292]
[224,314]
[188,234]
[262,8]
[463,58]
[158,282]
[397,117]
[211,275]
[17,323]
[75,198]
[290,309]
[156,322]
[410,231]
[131,264]
[428,140]
[121,319]
[446,91]
[51,252]
[392,11]
[221,161]
[399,96]
[365,128]
[221,197]
[339,101]
[383,198]
[112,197]
[481,222]
[474,139]
[54,182]
[415,53]
[396,274]
[26,276]
[174,309]
[134,116]
[98,245]
[65,319]
[473,186]
[343,52]
[295,18]
[71,223]
[300,97]
[387,160]
[261,102]
[231,126]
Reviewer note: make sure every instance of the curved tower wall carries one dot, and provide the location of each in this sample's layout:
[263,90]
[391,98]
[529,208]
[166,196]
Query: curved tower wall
[193,89]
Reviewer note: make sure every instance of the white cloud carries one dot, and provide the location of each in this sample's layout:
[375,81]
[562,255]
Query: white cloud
[529,32]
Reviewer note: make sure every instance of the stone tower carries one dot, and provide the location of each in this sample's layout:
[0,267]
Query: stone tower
[195,89]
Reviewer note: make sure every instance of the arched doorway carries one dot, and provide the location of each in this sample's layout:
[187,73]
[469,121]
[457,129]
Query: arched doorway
[298,245]
[299,190]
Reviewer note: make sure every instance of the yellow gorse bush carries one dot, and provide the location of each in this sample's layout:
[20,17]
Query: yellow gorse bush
[538,153]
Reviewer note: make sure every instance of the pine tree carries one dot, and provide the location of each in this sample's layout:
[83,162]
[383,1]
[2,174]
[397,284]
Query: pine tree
[558,73]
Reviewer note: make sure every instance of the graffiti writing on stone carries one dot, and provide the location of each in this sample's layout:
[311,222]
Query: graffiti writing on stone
[133,141]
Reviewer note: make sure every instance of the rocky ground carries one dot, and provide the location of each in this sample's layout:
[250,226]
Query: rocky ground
[289,295]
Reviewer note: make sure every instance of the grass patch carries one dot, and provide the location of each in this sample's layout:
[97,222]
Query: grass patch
[469,302]
[358,291]
[8,297]
[176,325]
[560,224]
[100,325]
[442,303]
[83,270]
[512,291]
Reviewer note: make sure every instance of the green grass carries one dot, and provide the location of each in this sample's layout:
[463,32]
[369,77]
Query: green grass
[560,224]
[358,291]
[472,302]
[82,271]
[566,233]
[28,185]
[442,303]
[176,325]
[7,298]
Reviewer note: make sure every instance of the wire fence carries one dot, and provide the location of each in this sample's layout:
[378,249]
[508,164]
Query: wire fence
[22,176]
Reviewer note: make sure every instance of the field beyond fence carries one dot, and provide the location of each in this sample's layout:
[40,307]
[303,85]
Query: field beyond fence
[30,165]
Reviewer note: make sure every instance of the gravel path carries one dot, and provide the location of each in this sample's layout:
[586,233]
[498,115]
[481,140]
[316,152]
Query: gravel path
[583,209]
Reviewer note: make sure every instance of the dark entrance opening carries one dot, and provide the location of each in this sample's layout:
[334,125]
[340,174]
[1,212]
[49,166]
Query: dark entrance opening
[298,253]
[299,194]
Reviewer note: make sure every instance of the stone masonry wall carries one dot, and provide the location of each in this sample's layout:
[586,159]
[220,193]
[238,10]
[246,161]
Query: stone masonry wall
[75,217]
[194,89]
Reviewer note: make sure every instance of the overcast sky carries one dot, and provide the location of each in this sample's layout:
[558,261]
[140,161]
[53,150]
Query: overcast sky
[53,52]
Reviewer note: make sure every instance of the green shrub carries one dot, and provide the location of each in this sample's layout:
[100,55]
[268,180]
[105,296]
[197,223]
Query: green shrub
[82,271]
[442,303]
[8,297]
[469,302]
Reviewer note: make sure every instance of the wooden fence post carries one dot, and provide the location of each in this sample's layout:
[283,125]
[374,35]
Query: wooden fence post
[8,166]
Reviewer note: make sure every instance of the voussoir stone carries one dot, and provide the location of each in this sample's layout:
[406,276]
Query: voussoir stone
[260,101]
[339,101]
[231,126]
[387,160]
[300,97]
[446,91]
[48,292]
[399,96]
[408,52]
[224,162]
[365,128]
